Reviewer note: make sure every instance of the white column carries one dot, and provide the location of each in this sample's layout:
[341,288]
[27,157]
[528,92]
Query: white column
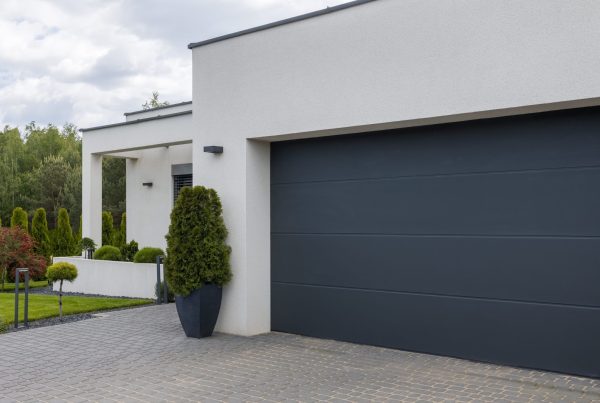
[241,176]
[91,196]
[258,237]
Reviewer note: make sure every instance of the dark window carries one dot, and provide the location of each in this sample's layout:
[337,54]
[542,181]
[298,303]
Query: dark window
[179,181]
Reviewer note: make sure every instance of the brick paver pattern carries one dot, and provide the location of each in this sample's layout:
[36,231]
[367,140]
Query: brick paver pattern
[142,355]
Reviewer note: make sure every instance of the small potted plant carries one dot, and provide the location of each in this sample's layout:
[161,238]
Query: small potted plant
[197,263]
[88,246]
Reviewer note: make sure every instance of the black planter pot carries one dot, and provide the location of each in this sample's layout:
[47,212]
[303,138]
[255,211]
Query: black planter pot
[198,311]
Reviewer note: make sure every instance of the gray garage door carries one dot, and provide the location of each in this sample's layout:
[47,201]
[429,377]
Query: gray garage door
[478,240]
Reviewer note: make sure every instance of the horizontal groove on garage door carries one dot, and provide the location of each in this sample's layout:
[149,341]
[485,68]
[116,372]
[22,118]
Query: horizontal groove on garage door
[474,299]
[387,178]
[552,270]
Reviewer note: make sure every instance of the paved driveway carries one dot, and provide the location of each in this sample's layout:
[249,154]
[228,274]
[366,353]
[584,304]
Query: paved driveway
[141,354]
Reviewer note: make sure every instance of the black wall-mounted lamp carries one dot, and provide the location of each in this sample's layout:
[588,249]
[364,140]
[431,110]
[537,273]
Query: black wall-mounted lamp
[213,149]
[147,184]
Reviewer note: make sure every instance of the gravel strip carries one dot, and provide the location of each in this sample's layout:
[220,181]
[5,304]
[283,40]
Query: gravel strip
[52,321]
[48,291]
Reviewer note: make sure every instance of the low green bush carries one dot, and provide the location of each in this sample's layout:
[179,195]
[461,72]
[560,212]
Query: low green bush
[158,291]
[108,252]
[129,250]
[148,255]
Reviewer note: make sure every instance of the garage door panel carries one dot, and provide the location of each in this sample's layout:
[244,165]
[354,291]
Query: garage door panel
[544,203]
[478,239]
[558,271]
[546,337]
[565,139]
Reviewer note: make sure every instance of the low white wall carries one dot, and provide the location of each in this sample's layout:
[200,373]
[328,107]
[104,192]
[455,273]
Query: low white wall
[118,279]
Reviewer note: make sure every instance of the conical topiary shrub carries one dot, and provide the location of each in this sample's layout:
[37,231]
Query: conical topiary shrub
[19,219]
[108,230]
[196,250]
[120,234]
[40,234]
[64,243]
[197,263]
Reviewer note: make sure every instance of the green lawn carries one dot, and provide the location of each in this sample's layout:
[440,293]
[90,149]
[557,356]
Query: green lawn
[10,287]
[46,306]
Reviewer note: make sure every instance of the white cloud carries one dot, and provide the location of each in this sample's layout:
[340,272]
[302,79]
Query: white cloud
[89,61]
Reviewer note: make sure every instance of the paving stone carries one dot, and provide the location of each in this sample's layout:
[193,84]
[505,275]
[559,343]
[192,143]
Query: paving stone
[142,355]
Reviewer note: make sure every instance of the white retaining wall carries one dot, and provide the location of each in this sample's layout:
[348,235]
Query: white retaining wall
[118,279]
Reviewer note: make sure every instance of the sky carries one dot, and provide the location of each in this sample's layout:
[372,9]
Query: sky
[87,62]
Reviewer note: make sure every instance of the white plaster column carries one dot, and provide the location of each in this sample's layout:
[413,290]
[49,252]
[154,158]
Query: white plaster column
[91,208]
[258,237]
[241,176]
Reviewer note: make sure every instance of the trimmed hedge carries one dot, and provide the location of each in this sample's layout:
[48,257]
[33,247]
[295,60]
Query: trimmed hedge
[108,252]
[148,255]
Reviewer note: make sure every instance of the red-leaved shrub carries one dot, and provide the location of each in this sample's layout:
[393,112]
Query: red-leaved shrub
[16,251]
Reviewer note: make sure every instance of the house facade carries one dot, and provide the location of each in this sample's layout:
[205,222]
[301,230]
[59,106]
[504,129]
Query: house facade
[420,175]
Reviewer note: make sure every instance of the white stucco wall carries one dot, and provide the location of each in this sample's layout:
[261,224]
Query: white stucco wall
[117,279]
[149,208]
[384,64]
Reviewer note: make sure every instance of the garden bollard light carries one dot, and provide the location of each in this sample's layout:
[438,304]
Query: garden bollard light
[159,260]
[26,305]
[165,286]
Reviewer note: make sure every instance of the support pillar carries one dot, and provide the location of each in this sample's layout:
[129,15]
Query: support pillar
[91,209]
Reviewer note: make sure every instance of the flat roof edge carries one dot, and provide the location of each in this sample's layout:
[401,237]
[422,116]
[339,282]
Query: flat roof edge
[158,108]
[133,122]
[286,21]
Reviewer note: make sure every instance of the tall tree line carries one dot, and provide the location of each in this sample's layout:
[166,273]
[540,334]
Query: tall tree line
[41,167]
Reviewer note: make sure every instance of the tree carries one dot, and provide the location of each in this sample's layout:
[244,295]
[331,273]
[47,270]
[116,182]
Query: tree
[61,271]
[47,185]
[64,243]
[16,251]
[107,228]
[19,219]
[113,186]
[40,234]
[154,102]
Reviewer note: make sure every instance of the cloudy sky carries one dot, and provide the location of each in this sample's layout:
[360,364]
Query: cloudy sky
[88,61]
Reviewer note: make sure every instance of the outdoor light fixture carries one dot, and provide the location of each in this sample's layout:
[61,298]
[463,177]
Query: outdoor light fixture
[147,184]
[213,149]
